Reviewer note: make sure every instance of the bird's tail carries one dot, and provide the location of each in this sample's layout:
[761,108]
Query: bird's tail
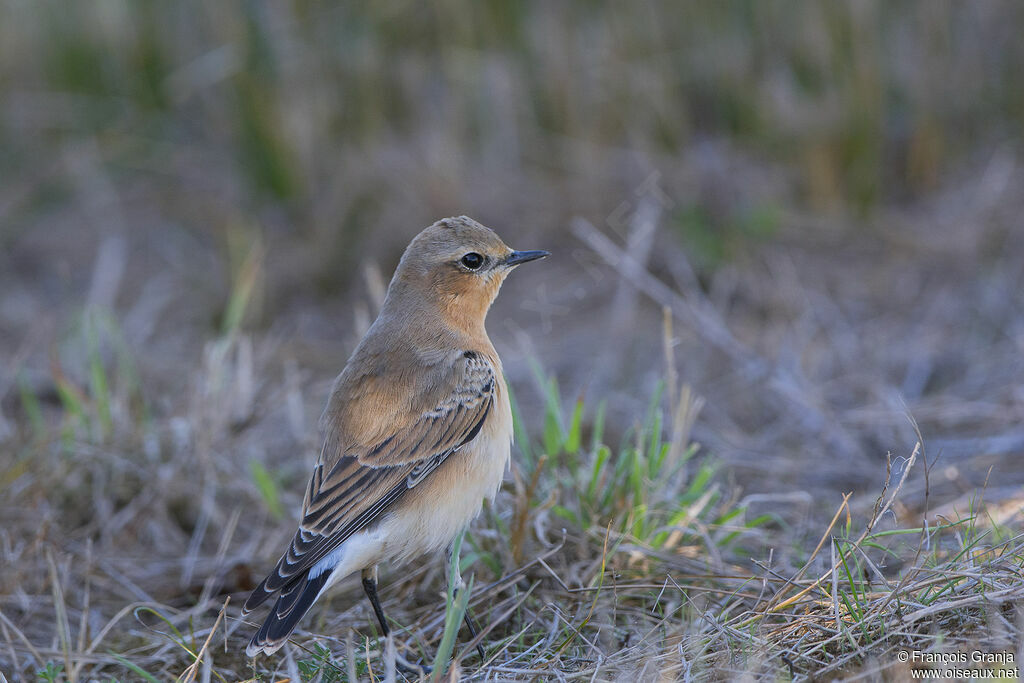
[292,603]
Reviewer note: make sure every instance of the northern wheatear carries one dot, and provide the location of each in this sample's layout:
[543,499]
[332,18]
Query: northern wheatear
[418,428]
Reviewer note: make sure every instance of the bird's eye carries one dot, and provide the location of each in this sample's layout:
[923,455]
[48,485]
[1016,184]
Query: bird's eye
[472,260]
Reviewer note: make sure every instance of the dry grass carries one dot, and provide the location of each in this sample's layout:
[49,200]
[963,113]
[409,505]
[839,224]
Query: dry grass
[595,562]
[778,231]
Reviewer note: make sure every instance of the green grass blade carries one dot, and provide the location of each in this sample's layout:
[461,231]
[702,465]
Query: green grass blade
[455,610]
[30,404]
[600,458]
[98,383]
[267,488]
[134,668]
[554,432]
[574,437]
[522,437]
[598,432]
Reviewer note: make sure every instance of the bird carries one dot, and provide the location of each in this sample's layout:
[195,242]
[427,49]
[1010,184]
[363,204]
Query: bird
[417,430]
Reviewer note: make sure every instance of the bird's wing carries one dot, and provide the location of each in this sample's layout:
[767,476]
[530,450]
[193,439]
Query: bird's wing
[348,492]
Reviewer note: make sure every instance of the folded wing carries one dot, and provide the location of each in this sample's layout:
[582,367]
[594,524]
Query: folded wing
[353,486]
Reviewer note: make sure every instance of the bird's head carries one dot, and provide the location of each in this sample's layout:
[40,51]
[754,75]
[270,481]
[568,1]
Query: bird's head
[458,264]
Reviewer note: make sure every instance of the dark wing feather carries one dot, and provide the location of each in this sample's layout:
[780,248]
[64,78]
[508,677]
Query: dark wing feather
[292,604]
[359,487]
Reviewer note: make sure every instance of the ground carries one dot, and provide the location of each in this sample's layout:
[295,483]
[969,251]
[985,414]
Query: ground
[768,388]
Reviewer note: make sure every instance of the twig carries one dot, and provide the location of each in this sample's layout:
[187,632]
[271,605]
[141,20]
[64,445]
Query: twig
[64,628]
[814,584]
[21,636]
[471,645]
[190,673]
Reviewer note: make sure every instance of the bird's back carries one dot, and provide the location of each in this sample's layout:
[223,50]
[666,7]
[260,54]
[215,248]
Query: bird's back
[397,374]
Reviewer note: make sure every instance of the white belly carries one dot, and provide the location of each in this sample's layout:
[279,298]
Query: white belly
[450,498]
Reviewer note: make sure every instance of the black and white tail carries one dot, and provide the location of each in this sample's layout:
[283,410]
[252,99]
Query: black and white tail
[292,603]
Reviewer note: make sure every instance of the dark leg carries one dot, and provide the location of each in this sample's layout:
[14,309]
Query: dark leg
[370,586]
[473,631]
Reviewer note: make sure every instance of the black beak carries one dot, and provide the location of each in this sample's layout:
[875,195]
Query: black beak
[517,257]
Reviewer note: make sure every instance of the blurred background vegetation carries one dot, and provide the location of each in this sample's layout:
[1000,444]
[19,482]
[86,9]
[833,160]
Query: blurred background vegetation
[335,122]
[263,164]
[200,204]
